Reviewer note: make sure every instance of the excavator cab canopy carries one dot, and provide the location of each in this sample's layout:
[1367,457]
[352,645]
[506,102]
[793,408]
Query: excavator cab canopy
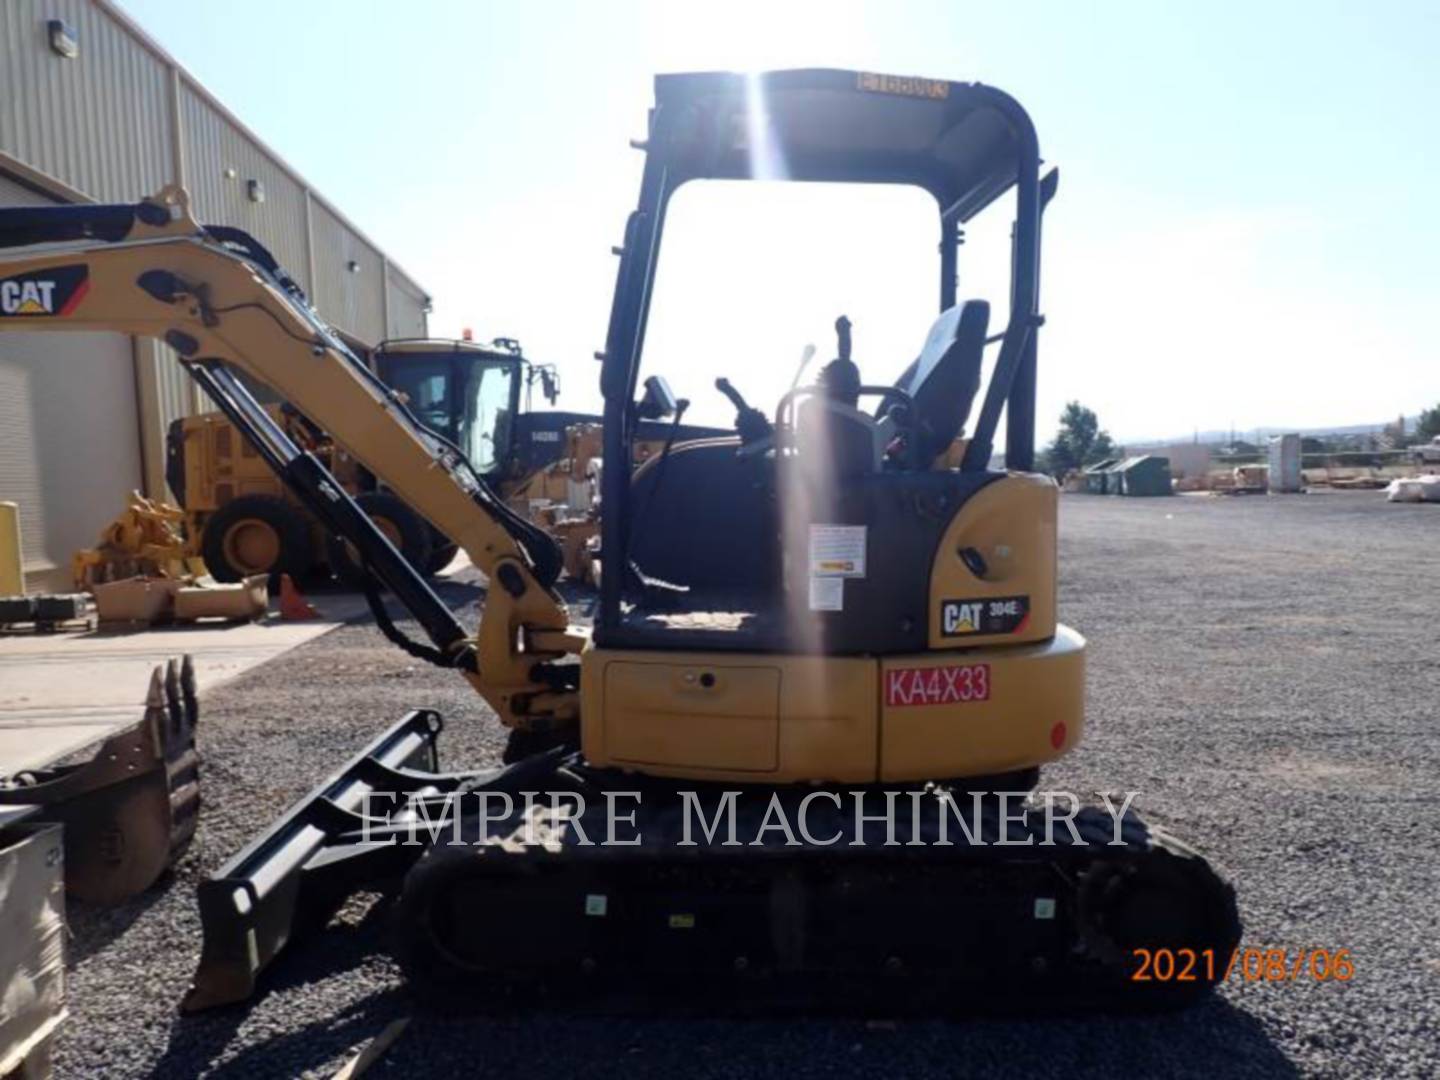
[961,142]
[964,143]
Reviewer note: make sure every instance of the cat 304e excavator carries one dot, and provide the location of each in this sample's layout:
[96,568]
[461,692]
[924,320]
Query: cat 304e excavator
[880,624]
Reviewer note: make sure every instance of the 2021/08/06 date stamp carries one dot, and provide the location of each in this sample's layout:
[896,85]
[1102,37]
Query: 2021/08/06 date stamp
[1242,964]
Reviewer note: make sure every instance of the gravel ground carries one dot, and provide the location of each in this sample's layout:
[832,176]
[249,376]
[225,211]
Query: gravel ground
[1262,671]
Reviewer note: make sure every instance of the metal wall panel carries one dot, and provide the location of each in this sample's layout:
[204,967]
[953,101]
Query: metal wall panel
[103,126]
[351,299]
[14,193]
[68,456]
[406,308]
[100,122]
[215,148]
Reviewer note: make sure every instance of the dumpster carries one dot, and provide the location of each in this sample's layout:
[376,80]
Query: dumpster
[1095,476]
[1144,475]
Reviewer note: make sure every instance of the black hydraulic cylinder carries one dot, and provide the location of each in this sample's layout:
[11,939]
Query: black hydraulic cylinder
[323,496]
[24,225]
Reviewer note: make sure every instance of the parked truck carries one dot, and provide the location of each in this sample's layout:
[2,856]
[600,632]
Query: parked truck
[1427,453]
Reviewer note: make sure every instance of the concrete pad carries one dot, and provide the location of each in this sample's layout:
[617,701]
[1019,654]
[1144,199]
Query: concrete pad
[61,692]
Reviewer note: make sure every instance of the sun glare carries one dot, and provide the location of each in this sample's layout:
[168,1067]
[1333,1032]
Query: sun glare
[767,161]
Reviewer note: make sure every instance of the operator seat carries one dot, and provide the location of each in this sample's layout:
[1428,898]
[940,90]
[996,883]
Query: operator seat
[945,377]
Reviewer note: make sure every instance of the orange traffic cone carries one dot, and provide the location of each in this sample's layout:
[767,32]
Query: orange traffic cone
[293,605]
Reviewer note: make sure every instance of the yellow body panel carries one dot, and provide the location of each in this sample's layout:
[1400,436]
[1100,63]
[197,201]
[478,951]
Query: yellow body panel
[726,716]
[816,719]
[1033,711]
[731,716]
[12,577]
[1011,523]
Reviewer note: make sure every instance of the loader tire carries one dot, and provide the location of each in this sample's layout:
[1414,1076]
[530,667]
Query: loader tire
[402,526]
[256,534]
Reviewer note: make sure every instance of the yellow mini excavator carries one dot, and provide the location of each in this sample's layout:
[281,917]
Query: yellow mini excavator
[801,748]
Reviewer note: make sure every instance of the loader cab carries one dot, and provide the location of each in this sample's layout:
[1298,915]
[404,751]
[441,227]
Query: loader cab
[710,545]
[469,393]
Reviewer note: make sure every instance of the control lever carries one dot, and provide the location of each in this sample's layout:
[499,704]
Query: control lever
[751,424]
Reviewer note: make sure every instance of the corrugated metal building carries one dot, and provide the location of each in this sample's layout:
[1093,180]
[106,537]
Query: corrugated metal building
[83,416]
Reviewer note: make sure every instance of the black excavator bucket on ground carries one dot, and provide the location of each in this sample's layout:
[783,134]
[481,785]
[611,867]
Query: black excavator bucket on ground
[129,812]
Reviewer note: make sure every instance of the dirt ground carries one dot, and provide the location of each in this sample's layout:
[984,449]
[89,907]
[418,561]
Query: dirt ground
[1261,671]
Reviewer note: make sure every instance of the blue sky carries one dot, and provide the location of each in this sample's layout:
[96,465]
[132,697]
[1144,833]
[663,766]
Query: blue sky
[1244,232]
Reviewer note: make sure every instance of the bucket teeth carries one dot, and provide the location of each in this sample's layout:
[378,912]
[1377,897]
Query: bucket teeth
[187,691]
[155,696]
[173,703]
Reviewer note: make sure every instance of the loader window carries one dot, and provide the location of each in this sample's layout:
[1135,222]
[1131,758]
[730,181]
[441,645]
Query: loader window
[425,385]
[485,426]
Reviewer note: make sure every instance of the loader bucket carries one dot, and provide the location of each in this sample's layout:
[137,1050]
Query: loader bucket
[129,812]
[294,877]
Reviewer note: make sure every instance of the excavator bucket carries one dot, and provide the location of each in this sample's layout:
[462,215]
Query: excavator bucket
[129,812]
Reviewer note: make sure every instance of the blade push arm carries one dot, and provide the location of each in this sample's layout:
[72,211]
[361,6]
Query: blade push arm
[221,303]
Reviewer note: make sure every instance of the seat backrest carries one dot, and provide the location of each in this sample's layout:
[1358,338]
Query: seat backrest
[945,377]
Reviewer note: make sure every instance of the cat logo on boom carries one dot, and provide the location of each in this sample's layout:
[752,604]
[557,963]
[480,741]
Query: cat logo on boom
[57,291]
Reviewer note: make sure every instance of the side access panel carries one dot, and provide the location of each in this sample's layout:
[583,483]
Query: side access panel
[722,716]
[992,581]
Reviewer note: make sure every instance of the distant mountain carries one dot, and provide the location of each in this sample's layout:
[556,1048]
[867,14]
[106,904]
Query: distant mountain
[1224,435]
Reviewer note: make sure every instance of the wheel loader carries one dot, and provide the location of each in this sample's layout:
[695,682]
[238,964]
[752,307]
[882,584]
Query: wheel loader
[877,660]
[237,513]
[240,519]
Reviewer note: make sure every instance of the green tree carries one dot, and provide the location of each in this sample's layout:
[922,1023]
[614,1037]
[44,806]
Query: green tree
[1080,441]
[1395,434]
[1429,424]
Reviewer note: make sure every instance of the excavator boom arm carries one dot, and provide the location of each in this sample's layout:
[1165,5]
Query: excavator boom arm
[218,299]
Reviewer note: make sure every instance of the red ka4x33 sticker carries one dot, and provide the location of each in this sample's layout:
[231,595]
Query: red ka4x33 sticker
[950,684]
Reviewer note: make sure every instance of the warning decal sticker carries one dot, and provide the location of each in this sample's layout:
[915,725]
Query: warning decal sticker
[837,551]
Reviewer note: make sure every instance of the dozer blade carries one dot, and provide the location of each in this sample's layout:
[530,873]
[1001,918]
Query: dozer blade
[129,812]
[294,876]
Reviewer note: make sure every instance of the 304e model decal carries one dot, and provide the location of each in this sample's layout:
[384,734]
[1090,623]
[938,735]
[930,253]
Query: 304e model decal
[993,615]
[57,291]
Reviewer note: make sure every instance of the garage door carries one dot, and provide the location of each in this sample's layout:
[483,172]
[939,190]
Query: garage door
[69,436]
